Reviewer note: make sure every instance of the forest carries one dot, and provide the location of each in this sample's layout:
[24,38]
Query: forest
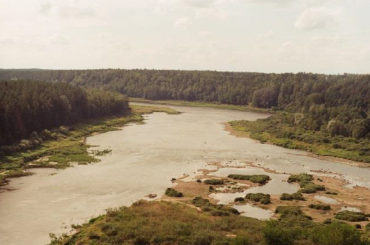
[336,104]
[29,109]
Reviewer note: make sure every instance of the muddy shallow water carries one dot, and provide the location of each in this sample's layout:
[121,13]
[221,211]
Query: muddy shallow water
[144,159]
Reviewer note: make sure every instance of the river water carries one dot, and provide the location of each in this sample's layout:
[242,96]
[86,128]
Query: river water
[144,159]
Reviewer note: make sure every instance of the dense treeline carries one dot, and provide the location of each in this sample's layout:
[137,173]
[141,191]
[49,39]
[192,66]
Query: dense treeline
[28,107]
[337,104]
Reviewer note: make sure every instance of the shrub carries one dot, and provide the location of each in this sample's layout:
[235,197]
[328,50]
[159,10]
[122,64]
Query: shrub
[214,182]
[239,199]
[336,233]
[289,197]
[260,179]
[319,206]
[173,193]
[310,187]
[300,178]
[351,216]
[63,130]
[259,197]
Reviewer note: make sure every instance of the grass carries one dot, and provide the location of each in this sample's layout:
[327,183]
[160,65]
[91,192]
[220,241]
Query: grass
[260,179]
[275,130]
[200,104]
[168,223]
[165,223]
[70,148]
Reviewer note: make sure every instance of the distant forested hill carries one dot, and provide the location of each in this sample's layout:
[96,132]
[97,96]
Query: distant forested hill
[30,106]
[338,104]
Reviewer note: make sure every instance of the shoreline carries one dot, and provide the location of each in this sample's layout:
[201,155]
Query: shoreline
[201,104]
[244,134]
[47,151]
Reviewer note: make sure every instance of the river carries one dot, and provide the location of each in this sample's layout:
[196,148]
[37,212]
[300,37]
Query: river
[144,158]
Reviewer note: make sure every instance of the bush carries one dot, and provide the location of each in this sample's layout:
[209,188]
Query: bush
[260,179]
[310,187]
[63,130]
[239,199]
[173,193]
[240,240]
[351,216]
[289,197]
[319,206]
[336,233]
[300,178]
[214,182]
[259,197]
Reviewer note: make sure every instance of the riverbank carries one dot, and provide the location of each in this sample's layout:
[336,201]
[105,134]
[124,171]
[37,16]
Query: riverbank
[201,104]
[70,147]
[272,131]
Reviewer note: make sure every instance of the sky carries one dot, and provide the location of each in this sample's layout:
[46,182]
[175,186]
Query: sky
[320,36]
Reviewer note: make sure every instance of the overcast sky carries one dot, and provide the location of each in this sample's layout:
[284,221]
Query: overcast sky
[324,36]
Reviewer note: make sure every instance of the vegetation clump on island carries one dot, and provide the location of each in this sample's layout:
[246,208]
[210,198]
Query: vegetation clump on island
[319,206]
[214,182]
[173,193]
[289,197]
[351,216]
[259,197]
[260,179]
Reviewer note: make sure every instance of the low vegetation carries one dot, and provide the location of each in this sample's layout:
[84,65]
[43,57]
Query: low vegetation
[282,129]
[298,178]
[351,216]
[214,209]
[165,223]
[310,187]
[260,179]
[319,206]
[214,182]
[173,193]
[290,197]
[177,223]
[259,197]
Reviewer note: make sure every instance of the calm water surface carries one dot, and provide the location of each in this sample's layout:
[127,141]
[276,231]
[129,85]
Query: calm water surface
[144,159]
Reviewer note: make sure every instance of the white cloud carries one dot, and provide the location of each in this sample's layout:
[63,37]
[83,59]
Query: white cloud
[182,23]
[59,39]
[278,3]
[205,33]
[199,3]
[68,10]
[317,18]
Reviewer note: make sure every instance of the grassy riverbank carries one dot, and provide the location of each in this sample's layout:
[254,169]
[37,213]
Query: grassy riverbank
[275,131]
[178,223]
[69,146]
[199,104]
